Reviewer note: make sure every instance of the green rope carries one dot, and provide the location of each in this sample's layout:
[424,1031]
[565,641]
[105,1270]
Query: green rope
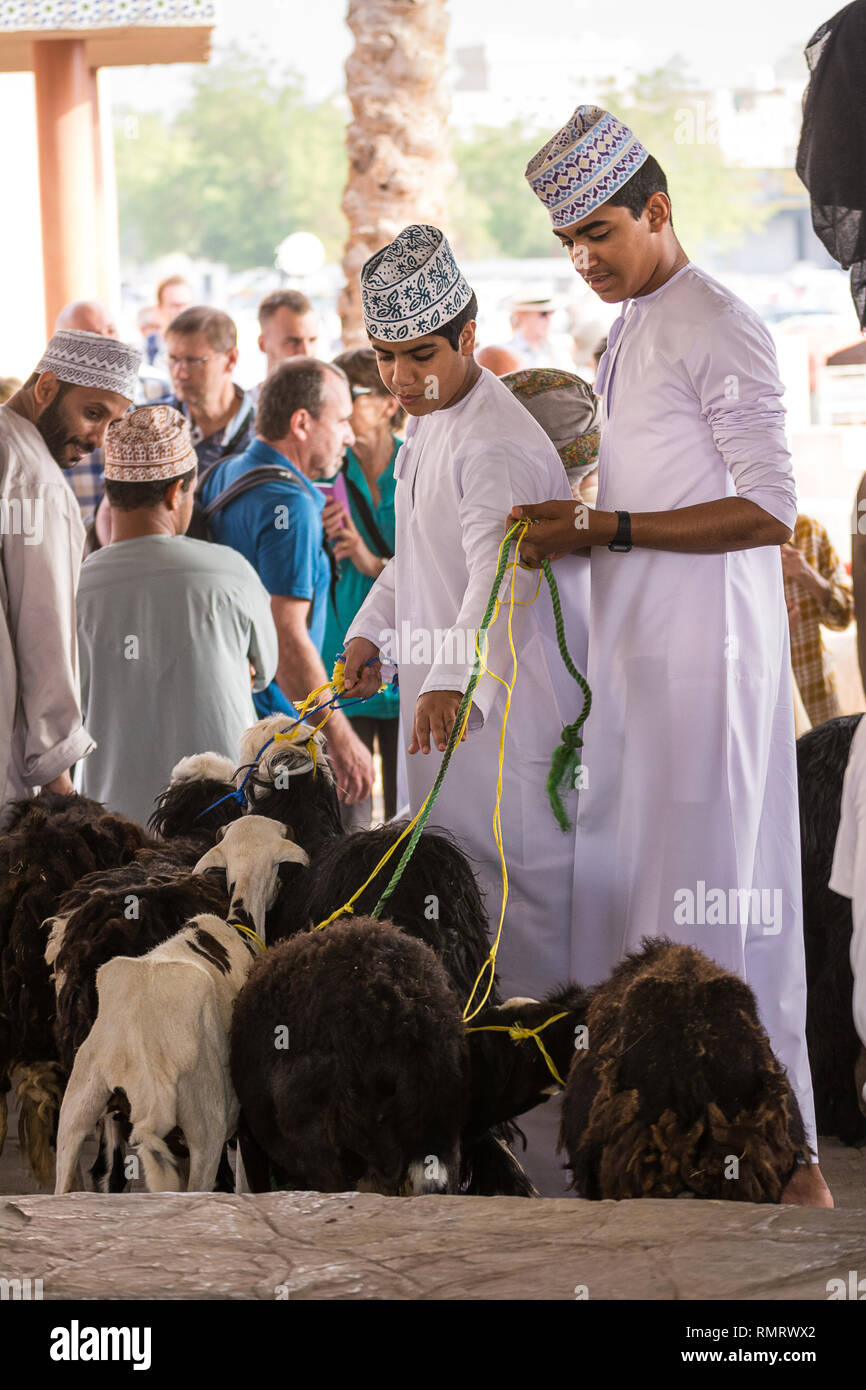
[455,730]
[566,759]
[565,764]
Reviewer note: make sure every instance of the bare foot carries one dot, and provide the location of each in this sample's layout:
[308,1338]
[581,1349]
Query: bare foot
[807,1188]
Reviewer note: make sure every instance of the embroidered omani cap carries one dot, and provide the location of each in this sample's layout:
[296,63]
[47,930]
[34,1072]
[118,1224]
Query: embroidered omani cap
[584,164]
[566,409]
[147,445]
[412,286]
[89,359]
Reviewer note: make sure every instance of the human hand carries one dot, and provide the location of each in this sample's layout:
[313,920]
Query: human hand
[362,680]
[557,528]
[352,762]
[435,714]
[794,563]
[62,785]
[334,518]
[347,543]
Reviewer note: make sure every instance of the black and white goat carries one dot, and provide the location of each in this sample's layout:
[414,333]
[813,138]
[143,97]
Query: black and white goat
[161,1030]
[283,779]
[678,1090]
[349,1059]
[199,800]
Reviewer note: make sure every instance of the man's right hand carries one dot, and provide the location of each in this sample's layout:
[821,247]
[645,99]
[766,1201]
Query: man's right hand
[362,680]
[351,760]
[62,785]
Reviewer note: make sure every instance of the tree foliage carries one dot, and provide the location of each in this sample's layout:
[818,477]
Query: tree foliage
[244,164]
[250,160]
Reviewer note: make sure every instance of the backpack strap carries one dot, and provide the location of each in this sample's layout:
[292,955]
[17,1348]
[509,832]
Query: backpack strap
[360,501]
[265,473]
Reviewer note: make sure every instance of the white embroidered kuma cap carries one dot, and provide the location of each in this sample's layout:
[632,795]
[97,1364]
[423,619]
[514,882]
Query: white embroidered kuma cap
[412,286]
[89,359]
[584,164]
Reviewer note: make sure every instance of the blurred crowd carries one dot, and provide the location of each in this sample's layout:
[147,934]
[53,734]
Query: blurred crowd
[294,476]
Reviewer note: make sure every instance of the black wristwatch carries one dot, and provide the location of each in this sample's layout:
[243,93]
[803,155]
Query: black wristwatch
[622,539]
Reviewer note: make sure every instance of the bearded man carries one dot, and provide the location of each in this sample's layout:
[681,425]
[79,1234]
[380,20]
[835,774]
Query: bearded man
[83,383]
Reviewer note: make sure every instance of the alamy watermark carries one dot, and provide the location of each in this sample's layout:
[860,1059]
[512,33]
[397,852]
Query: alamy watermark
[22,516]
[720,907]
[421,646]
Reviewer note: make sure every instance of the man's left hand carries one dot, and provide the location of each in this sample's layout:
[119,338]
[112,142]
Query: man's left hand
[435,713]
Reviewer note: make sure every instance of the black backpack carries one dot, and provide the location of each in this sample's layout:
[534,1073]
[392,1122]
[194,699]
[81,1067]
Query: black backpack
[199,527]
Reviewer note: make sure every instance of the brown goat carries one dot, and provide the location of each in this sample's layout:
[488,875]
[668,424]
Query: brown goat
[678,1090]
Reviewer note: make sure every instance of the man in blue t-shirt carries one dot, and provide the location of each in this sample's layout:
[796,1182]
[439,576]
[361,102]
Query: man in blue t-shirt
[302,426]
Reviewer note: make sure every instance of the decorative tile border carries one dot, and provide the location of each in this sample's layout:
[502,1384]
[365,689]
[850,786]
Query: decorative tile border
[29,15]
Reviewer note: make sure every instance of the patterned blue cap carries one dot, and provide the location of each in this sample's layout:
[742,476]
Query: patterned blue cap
[412,286]
[584,164]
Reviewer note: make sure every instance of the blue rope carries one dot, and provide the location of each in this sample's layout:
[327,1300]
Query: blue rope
[238,793]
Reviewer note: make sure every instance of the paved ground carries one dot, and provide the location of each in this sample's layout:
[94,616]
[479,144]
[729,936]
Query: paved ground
[352,1246]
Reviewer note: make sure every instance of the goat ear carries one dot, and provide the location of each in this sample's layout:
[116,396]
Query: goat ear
[214,859]
[290,853]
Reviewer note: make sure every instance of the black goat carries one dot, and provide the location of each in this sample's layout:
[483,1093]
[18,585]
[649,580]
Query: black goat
[834,1047]
[54,843]
[349,1060]
[437,899]
[511,1074]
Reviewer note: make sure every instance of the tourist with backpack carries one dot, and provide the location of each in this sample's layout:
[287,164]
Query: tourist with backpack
[264,503]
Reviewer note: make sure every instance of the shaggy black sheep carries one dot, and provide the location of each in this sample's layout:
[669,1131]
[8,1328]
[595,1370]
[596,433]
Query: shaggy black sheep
[678,1090]
[436,900]
[349,1060]
[834,1047]
[55,842]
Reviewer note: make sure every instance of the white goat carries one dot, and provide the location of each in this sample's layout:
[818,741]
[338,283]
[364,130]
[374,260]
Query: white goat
[161,1032]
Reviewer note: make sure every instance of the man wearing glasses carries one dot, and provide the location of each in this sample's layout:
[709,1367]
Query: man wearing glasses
[202,351]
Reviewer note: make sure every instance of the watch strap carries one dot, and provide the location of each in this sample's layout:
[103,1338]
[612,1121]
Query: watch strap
[622,540]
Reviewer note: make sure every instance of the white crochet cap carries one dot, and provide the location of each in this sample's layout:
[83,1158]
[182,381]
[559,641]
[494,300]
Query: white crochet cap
[89,359]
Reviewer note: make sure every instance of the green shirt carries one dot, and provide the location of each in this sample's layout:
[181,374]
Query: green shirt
[352,587]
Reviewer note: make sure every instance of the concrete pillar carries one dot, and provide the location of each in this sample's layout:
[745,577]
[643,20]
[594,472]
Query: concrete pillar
[67,177]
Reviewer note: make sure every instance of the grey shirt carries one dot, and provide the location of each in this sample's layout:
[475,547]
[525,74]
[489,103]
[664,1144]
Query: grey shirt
[167,627]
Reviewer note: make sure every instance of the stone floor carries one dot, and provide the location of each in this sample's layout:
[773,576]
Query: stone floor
[350,1246]
[353,1246]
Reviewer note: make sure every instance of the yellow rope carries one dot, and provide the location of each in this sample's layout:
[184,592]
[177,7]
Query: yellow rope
[490,962]
[248,931]
[348,907]
[517,1034]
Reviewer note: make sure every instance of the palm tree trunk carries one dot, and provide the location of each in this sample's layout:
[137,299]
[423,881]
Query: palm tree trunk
[398,143]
